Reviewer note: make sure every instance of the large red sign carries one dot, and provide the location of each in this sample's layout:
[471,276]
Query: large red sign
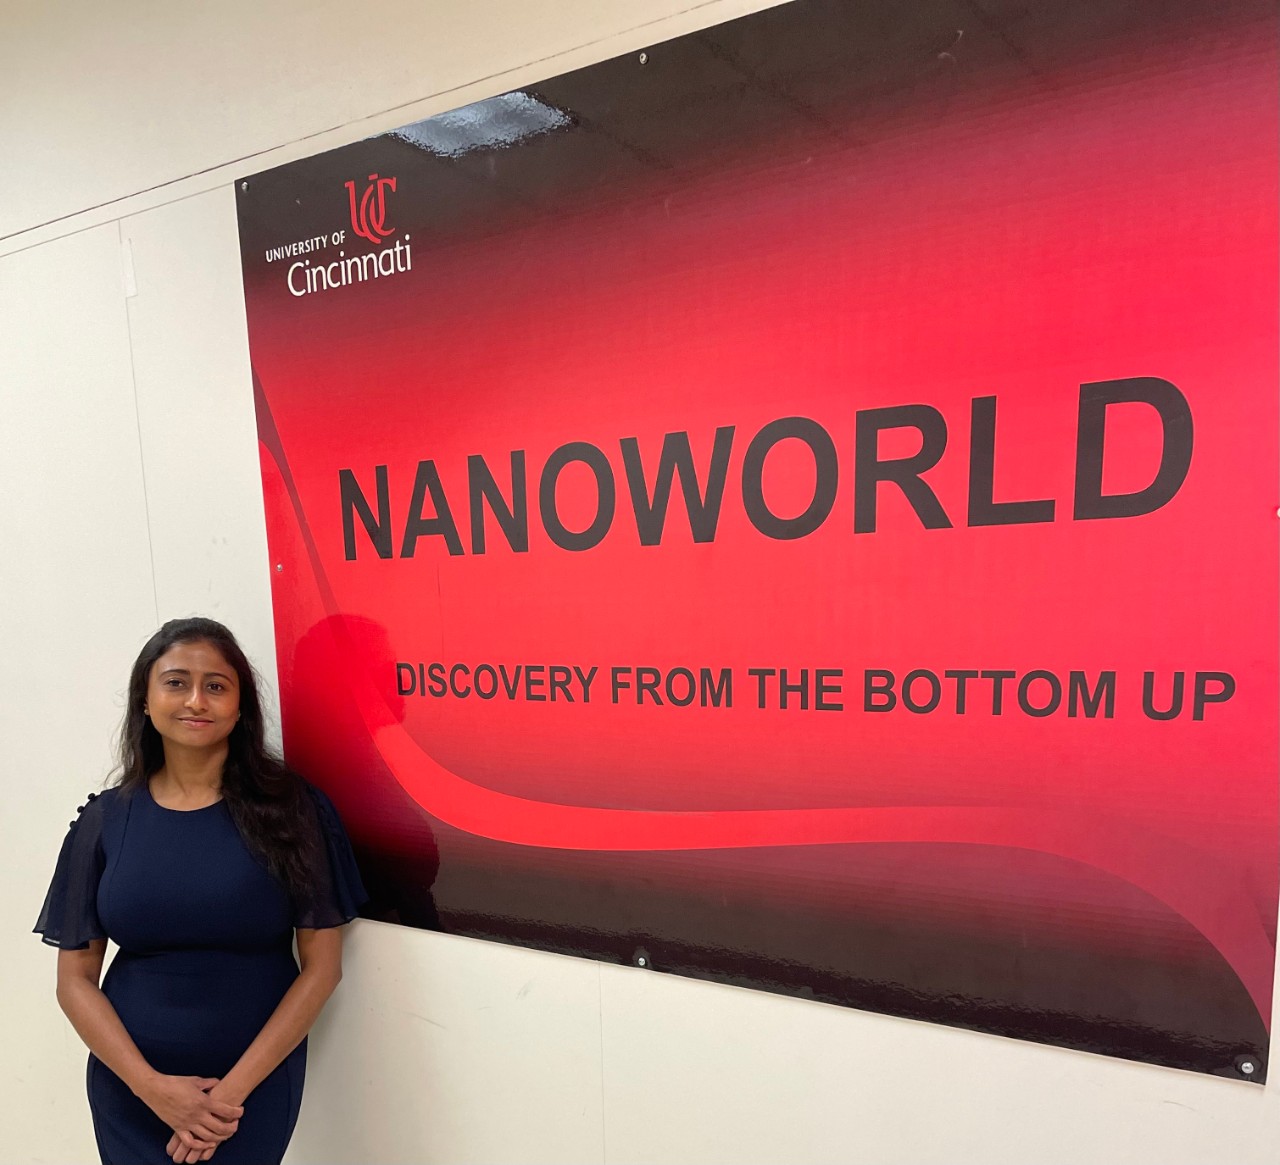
[798,507]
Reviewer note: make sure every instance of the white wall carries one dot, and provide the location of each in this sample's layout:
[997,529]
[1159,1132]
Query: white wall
[128,471]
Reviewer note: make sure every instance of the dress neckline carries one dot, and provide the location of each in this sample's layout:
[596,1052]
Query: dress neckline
[165,808]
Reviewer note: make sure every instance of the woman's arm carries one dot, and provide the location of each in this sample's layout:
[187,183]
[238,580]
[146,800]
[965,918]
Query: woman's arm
[320,960]
[182,1102]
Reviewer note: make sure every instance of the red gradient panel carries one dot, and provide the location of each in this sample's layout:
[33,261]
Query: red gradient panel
[1045,234]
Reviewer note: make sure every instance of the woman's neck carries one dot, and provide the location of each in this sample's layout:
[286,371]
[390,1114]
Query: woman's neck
[189,778]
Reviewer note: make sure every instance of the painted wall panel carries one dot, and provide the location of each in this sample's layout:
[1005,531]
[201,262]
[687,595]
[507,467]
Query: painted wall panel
[193,88]
[440,1049]
[699,1071]
[195,422]
[76,601]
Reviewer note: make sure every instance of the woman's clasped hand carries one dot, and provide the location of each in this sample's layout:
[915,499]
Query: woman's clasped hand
[200,1118]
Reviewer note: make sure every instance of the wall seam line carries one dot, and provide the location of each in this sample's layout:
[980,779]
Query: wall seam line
[137,416]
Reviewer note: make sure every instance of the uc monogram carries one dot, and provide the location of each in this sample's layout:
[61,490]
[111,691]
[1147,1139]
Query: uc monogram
[369,216]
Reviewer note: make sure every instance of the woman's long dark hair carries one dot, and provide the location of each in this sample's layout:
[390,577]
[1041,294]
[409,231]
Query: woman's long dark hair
[268,802]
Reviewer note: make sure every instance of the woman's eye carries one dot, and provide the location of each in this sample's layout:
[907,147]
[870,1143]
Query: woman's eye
[216,688]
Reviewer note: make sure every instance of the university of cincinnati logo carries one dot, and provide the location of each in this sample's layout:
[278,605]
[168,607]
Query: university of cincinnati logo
[326,272]
[369,215]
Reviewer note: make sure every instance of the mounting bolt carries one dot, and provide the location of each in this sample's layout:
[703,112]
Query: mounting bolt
[644,58]
[1248,1067]
[279,568]
[643,962]
[244,185]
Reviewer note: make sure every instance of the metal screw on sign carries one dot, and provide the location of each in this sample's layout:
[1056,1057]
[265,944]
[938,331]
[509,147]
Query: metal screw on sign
[244,185]
[279,567]
[644,58]
[1249,1066]
[640,962]
[641,958]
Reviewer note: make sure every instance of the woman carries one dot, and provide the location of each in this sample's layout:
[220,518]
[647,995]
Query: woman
[203,863]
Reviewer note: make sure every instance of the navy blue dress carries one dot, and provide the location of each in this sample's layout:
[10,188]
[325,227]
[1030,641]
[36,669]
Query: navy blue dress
[205,933]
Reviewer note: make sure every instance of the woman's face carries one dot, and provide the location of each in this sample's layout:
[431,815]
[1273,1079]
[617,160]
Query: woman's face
[193,696]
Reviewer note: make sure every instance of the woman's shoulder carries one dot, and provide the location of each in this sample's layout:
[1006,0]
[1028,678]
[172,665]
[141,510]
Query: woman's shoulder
[97,805]
[314,792]
[338,893]
[326,815]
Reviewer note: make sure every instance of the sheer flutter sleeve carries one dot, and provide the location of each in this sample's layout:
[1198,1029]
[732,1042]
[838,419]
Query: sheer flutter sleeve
[337,891]
[69,918]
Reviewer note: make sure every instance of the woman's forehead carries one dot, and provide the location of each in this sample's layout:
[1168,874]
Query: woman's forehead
[200,657]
